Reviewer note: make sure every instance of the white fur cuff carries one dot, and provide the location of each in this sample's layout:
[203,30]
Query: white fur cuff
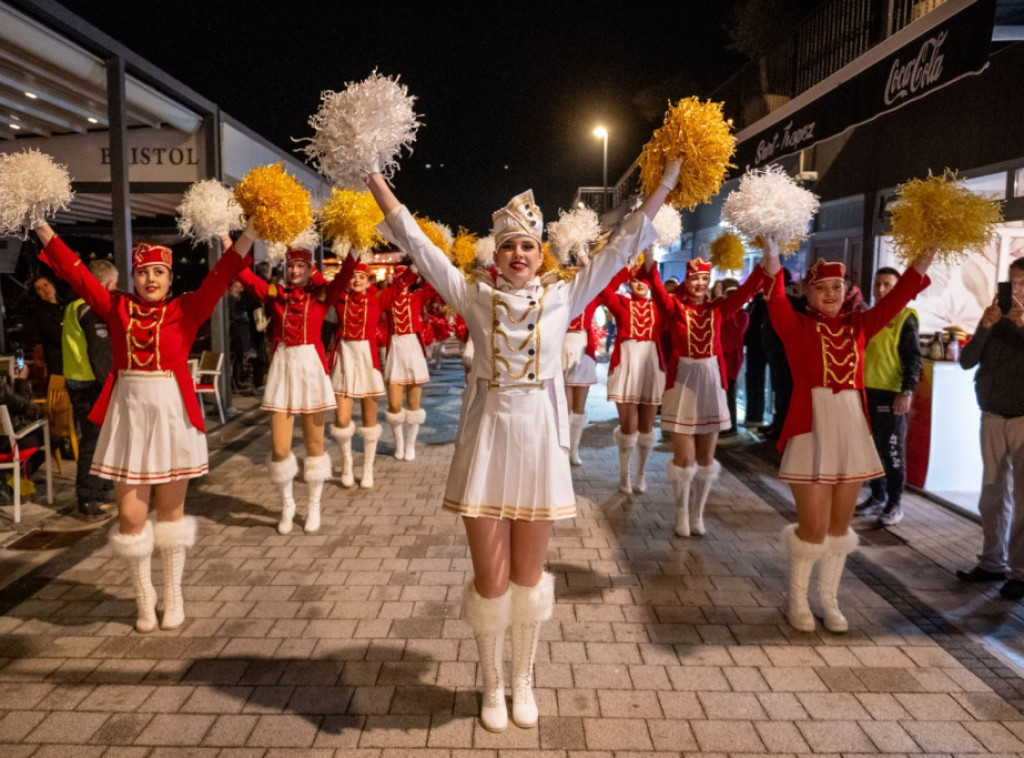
[172,534]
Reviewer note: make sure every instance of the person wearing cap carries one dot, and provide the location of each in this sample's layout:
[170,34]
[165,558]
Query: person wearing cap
[510,477]
[579,368]
[636,372]
[152,439]
[825,441]
[297,382]
[696,408]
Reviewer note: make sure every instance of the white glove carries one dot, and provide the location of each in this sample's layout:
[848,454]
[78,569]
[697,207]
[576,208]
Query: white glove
[773,247]
[36,218]
[671,174]
[250,230]
[373,167]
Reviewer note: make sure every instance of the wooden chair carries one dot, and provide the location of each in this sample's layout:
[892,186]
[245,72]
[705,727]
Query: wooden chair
[18,455]
[60,415]
[7,365]
[206,375]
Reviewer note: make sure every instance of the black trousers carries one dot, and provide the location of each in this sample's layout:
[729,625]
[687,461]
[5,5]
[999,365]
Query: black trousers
[890,435]
[755,374]
[88,488]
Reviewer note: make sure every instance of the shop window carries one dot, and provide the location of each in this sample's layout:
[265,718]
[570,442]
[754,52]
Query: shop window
[990,185]
[1018,183]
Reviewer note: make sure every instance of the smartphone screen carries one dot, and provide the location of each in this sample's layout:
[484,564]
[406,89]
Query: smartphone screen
[19,361]
[1004,293]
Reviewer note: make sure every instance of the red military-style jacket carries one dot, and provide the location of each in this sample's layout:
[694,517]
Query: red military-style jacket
[297,313]
[635,318]
[147,336]
[585,323]
[696,328]
[828,351]
[405,315]
[360,314]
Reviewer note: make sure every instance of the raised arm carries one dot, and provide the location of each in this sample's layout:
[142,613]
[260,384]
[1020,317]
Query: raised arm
[69,267]
[780,311]
[666,303]
[736,299]
[885,310]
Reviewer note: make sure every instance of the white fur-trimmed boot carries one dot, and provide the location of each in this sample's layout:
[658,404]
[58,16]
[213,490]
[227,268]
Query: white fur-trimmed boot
[644,442]
[137,552]
[370,435]
[626,443]
[681,477]
[343,436]
[315,472]
[415,420]
[703,481]
[531,606]
[830,573]
[282,474]
[577,422]
[802,557]
[395,421]
[174,538]
[489,618]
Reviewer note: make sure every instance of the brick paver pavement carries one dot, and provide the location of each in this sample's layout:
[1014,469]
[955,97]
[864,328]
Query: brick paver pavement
[349,642]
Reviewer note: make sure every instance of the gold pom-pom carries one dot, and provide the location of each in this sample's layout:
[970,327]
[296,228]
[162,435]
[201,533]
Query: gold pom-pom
[727,252]
[351,218]
[939,214]
[437,233]
[549,264]
[697,134]
[278,205]
[463,252]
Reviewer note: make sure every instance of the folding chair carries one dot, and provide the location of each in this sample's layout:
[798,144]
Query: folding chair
[14,459]
[61,416]
[206,376]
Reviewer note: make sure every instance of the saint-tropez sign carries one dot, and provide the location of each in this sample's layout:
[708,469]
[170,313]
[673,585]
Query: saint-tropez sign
[950,42]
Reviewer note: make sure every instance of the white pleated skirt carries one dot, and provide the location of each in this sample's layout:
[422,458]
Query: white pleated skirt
[696,403]
[405,362]
[578,368]
[353,373]
[509,462]
[147,437]
[638,378]
[297,382]
[838,448]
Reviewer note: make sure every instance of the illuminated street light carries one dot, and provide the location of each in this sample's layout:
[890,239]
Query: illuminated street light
[603,134]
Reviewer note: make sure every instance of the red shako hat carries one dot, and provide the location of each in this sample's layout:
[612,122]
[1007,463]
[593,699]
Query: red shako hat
[698,266]
[821,270]
[145,254]
[362,267]
[299,255]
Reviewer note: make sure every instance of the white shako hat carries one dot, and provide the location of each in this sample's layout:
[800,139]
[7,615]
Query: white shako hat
[520,216]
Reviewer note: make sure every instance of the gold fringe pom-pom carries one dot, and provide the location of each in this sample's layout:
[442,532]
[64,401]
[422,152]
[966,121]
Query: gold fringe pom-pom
[438,234]
[463,252]
[939,214]
[789,248]
[549,264]
[697,134]
[278,205]
[351,217]
[727,252]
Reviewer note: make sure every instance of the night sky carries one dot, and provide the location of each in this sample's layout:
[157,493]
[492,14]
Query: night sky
[510,85]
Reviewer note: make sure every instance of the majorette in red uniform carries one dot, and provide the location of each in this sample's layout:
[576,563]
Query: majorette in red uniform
[636,373]
[579,369]
[297,382]
[355,366]
[152,438]
[695,406]
[405,368]
[825,441]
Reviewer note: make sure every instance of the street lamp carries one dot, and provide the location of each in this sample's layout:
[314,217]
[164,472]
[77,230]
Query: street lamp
[603,134]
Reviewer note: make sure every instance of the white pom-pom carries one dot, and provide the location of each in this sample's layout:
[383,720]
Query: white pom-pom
[32,187]
[485,251]
[669,226]
[208,211]
[771,206]
[573,233]
[362,129]
[308,240]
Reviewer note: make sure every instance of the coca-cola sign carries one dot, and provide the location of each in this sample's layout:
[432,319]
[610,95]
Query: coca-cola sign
[921,71]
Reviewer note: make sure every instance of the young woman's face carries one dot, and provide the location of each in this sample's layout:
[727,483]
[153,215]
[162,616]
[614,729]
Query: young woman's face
[518,259]
[827,296]
[298,273]
[45,290]
[360,282]
[697,285]
[639,288]
[152,283]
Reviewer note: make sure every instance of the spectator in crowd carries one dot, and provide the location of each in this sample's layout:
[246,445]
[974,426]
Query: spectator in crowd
[756,361]
[239,333]
[87,362]
[781,378]
[734,330]
[892,366]
[997,349]
[259,320]
[45,314]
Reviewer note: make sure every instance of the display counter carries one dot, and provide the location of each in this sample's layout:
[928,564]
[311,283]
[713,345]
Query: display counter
[943,450]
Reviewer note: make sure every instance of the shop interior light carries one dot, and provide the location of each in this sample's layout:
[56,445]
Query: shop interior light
[14,126]
[31,96]
[92,120]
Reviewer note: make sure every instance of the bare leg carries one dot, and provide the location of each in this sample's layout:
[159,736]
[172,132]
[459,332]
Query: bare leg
[395,392]
[343,417]
[705,446]
[490,551]
[645,418]
[578,402]
[368,409]
[529,549]
[169,500]
[844,500]
[132,506]
[684,449]
[281,426]
[413,393]
[813,510]
[628,417]
[313,433]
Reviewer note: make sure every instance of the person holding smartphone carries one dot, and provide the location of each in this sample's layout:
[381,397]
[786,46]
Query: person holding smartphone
[997,349]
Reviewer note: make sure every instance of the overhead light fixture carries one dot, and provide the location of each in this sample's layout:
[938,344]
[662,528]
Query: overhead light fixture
[31,96]
[14,126]
[92,120]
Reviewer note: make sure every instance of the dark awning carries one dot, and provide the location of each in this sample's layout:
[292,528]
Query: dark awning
[947,44]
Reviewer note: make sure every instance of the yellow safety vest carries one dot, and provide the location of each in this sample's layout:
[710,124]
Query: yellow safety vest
[74,347]
[883,369]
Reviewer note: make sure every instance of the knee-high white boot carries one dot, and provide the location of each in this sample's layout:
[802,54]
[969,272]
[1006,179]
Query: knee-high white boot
[315,472]
[681,476]
[415,420]
[489,618]
[343,436]
[829,575]
[706,477]
[802,557]
[174,538]
[282,474]
[370,435]
[137,552]
[626,443]
[395,421]
[577,422]
[645,441]
[531,606]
